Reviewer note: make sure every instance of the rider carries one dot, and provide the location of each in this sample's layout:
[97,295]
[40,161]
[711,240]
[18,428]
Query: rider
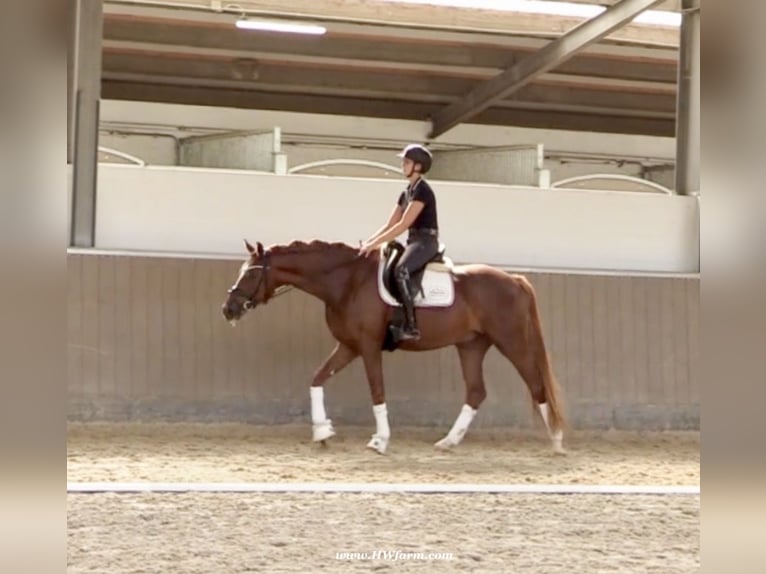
[415,211]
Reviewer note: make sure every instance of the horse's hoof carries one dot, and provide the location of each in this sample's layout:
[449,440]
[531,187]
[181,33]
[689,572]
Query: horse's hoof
[560,451]
[323,431]
[444,444]
[378,444]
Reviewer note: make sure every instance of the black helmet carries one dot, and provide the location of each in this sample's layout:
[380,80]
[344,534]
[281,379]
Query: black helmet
[418,154]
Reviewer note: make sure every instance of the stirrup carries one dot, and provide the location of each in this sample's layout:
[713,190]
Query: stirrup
[403,335]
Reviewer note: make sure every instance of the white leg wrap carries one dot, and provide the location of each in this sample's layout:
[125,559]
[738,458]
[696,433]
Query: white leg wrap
[458,430]
[322,426]
[556,437]
[318,413]
[379,441]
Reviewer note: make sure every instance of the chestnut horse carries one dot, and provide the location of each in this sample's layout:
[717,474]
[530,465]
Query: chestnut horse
[490,307]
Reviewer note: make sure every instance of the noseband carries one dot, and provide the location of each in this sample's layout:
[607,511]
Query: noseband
[262,280]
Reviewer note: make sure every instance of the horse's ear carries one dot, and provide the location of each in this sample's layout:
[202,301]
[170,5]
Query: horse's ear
[260,248]
[249,247]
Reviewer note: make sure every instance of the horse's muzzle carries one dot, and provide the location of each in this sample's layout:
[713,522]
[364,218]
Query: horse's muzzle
[231,311]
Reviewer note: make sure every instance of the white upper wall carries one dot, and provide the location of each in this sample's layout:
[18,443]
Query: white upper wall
[188,210]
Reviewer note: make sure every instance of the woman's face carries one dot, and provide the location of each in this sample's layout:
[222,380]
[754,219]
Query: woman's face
[407,166]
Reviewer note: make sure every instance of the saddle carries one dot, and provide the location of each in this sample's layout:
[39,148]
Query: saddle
[433,284]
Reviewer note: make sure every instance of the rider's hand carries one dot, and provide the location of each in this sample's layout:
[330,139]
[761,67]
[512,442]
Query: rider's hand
[366,249]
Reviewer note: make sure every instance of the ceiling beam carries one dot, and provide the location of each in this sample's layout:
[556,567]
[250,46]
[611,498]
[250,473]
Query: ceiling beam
[393,85]
[576,103]
[665,5]
[418,20]
[552,55]
[380,108]
[399,51]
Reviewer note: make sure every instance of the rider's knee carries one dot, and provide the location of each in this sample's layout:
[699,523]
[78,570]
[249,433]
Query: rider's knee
[402,272]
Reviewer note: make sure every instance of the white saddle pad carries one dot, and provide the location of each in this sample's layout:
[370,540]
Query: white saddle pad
[438,286]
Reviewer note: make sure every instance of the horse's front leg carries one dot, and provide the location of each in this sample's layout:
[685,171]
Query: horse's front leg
[373,365]
[339,358]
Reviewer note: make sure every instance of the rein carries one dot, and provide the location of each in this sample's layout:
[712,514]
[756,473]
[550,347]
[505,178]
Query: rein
[279,291]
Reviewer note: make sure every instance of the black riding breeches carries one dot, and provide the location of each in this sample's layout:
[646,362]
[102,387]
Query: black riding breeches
[419,251]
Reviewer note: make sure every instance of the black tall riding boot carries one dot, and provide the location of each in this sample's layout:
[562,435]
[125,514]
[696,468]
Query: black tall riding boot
[410,331]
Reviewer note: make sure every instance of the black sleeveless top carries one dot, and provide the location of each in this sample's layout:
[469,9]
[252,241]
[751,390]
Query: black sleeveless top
[421,191]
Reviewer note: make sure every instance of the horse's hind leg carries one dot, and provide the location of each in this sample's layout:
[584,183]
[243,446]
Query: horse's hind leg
[339,358]
[532,365]
[471,358]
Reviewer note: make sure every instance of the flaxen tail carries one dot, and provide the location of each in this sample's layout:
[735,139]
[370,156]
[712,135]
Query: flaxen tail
[542,363]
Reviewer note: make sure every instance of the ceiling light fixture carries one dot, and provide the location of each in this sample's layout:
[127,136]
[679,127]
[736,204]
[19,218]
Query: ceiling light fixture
[280,26]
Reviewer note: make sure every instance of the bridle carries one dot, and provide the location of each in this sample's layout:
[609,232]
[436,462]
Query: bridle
[250,301]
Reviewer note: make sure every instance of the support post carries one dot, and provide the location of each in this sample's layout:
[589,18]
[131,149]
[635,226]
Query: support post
[87,95]
[688,102]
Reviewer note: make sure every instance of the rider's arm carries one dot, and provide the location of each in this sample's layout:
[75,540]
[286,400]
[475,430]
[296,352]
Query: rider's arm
[407,219]
[396,215]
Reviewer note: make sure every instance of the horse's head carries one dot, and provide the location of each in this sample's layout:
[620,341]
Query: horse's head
[251,286]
